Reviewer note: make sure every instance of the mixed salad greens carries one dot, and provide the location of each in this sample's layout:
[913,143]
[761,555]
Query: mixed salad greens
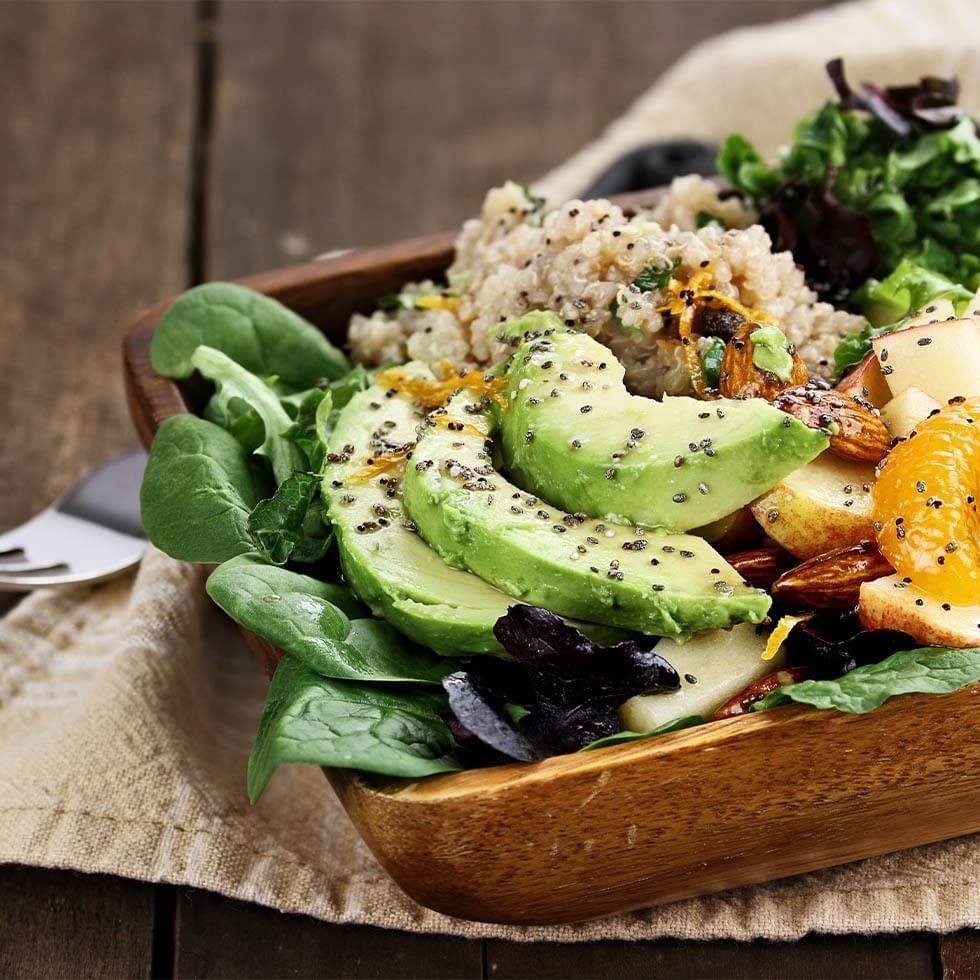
[435,616]
[877,197]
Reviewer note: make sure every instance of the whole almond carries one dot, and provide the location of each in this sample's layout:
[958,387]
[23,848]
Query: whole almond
[855,428]
[832,580]
[740,378]
[760,566]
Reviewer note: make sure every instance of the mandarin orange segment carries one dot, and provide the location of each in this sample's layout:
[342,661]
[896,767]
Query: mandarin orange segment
[925,505]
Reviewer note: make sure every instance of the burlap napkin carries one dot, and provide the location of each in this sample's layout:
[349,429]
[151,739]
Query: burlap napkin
[127,710]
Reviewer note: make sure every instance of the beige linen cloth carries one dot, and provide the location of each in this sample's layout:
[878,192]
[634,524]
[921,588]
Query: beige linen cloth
[127,710]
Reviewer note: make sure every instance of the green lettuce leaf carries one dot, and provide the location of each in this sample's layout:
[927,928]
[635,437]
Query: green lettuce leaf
[890,302]
[235,383]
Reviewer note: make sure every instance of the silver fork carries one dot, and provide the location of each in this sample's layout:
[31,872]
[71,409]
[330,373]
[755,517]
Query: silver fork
[91,534]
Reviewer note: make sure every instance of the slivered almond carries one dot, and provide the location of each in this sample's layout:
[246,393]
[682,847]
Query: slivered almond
[757,690]
[855,428]
[832,580]
[760,566]
[740,378]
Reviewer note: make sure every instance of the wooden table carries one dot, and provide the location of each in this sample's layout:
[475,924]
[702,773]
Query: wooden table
[147,147]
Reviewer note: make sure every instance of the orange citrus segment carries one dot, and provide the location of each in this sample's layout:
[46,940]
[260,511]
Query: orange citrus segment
[925,505]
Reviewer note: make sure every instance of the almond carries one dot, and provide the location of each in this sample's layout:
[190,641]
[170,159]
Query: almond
[855,428]
[757,690]
[760,566]
[832,580]
[740,378]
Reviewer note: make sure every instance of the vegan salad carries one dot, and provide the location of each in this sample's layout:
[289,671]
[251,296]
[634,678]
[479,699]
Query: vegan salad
[622,473]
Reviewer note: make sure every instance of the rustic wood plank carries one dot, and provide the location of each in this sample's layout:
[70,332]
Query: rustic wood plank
[223,938]
[812,958]
[95,123]
[62,924]
[351,124]
[959,955]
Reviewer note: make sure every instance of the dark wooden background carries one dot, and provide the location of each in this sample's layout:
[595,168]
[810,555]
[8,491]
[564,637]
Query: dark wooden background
[144,147]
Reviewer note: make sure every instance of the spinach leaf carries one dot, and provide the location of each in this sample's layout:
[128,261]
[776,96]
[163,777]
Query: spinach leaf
[927,670]
[197,492]
[319,624]
[254,330]
[234,382]
[289,524]
[620,738]
[309,718]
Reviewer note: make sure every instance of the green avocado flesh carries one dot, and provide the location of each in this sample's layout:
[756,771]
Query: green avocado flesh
[638,578]
[574,434]
[389,567]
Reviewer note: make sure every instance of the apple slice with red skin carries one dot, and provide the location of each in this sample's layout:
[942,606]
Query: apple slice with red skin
[891,603]
[819,507]
[867,382]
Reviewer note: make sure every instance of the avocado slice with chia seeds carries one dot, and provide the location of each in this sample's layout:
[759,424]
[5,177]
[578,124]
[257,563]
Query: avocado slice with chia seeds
[638,578]
[388,566]
[572,432]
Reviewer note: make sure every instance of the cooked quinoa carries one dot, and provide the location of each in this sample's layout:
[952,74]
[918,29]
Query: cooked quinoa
[580,261]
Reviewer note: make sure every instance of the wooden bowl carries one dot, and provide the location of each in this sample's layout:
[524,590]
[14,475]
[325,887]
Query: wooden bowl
[736,802]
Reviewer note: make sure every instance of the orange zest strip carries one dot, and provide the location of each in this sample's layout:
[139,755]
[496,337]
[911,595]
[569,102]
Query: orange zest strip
[379,465]
[783,629]
[431,393]
[436,302]
[686,300]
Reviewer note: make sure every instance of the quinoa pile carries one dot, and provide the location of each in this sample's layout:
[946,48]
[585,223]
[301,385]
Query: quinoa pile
[580,260]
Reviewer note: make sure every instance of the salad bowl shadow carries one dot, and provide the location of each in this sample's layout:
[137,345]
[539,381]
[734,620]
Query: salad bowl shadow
[736,802]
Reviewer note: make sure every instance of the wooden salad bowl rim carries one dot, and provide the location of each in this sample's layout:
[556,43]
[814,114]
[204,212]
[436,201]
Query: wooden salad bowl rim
[735,802]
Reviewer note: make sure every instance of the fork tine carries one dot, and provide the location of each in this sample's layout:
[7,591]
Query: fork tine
[24,567]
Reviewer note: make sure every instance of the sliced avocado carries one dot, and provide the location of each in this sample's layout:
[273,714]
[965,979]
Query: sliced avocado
[386,563]
[573,433]
[638,578]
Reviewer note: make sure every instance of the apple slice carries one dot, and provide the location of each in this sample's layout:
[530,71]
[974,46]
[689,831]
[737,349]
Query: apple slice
[820,507]
[943,359]
[713,667]
[889,603]
[939,309]
[866,381]
[904,412]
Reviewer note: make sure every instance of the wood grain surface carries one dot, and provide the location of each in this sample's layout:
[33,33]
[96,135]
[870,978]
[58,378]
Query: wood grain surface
[292,182]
